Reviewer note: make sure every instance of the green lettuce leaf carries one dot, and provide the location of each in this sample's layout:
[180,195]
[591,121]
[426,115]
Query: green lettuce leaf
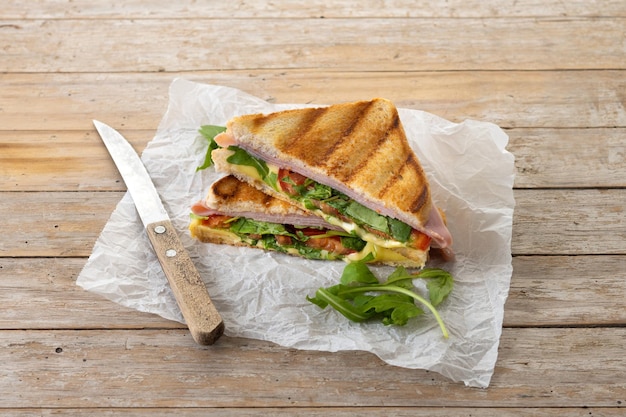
[209,132]
[241,157]
[360,296]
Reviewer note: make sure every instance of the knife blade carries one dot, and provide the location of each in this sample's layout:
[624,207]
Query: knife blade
[204,321]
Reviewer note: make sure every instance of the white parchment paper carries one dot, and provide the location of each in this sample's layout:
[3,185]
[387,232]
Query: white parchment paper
[263,296]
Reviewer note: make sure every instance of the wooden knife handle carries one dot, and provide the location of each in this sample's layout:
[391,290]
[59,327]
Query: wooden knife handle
[204,321]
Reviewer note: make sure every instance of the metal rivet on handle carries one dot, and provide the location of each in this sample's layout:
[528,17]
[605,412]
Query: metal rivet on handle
[159,229]
[170,253]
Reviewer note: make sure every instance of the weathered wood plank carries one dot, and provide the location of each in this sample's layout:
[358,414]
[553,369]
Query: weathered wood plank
[348,411]
[57,102]
[136,9]
[545,222]
[560,158]
[567,291]
[545,158]
[40,293]
[61,161]
[54,224]
[553,78]
[569,222]
[399,44]
[153,368]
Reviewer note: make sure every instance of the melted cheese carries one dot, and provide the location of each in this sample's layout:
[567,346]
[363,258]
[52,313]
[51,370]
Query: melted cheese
[360,232]
[385,255]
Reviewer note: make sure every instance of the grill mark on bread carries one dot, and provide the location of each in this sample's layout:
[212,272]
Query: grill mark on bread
[238,195]
[325,132]
[395,176]
[291,142]
[267,199]
[414,203]
[356,119]
[226,188]
[364,158]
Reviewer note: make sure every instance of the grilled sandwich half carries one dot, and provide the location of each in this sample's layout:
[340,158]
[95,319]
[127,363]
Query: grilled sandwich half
[350,164]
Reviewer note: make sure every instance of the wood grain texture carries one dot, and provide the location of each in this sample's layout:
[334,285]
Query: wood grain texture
[59,9]
[569,158]
[569,222]
[200,314]
[548,291]
[510,99]
[544,158]
[165,368]
[41,293]
[325,411]
[398,44]
[54,224]
[61,160]
[551,74]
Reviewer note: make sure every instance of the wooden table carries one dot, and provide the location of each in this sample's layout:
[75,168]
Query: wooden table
[552,75]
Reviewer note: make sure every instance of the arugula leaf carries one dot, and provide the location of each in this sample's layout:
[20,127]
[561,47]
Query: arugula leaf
[241,157]
[357,273]
[353,242]
[317,191]
[210,132]
[399,230]
[311,253]
[439,284]
[328,297]
[399,306]
[360,296]
[338,201]
[401,278]
[362,214]
[245,226]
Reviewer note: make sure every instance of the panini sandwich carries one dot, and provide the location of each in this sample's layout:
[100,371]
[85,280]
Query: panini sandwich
[350,164]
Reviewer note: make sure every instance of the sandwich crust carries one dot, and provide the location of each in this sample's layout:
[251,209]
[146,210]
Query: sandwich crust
[361,145]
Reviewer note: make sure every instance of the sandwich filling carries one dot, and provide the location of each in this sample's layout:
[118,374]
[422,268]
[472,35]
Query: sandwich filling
[335,207]
[306,241]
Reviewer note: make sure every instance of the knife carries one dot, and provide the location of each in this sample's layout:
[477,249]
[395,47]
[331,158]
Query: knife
[204,321]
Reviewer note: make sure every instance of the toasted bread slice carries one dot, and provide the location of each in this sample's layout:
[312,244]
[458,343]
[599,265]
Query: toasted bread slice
[358,148]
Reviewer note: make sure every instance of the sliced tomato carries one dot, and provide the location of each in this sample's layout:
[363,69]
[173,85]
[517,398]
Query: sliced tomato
[310,231]
[216,221]
[331,243]
[419,240]
[294,178]
[283,240]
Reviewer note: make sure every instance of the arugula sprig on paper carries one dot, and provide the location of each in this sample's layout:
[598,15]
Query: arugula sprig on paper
[360,296]
[210,132]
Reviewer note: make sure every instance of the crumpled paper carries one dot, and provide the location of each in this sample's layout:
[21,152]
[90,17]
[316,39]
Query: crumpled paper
[263,295]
